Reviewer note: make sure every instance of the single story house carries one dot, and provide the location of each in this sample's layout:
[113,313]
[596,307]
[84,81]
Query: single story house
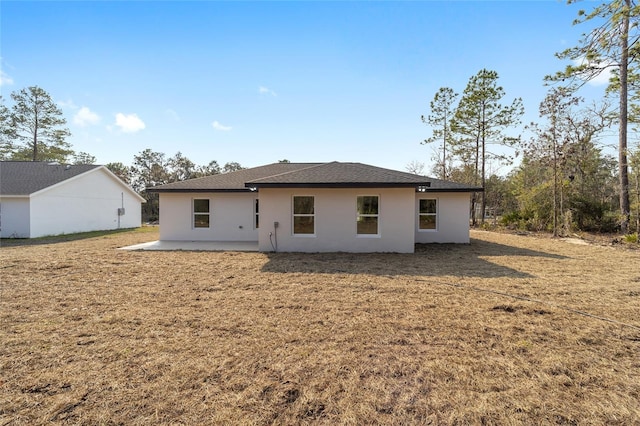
[317,207]
[41,198]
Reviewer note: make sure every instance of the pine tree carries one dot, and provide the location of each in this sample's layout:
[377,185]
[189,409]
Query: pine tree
[36,127]
[480,120]
[442,109]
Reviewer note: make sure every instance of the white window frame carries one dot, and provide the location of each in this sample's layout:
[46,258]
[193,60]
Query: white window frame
[194,213]
[377,216]
[429,214]
[294,215]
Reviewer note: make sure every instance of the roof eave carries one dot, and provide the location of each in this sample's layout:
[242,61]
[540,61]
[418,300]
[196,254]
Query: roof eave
[334,185]
[15,195]
[451,190]
[250,187]
[196,190]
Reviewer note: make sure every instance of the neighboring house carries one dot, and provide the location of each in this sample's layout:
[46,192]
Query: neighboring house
[317,207]
[40,198]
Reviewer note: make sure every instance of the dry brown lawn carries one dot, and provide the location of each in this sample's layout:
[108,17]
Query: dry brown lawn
[507,330]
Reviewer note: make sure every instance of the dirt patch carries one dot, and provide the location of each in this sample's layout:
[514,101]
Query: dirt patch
[485,333]
[575,241]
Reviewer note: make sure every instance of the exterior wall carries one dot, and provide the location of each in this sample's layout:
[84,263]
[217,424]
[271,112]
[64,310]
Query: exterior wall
[335,221]
[14,217]
[231,217]
[452,218]
[88,202]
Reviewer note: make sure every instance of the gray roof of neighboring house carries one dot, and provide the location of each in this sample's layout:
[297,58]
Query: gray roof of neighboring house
[312,175]
[27,177]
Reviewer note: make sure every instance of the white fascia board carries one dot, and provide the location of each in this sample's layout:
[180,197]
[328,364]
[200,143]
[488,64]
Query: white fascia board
[118,180]
[14,196]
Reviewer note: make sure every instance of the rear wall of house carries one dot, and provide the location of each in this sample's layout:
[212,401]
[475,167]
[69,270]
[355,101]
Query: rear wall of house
[14,217]
[231,217]
[89,202]
[336,221]
[452,218]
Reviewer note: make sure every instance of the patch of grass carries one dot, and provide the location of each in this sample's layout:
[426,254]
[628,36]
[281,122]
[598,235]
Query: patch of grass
[95,335]
[631,238]
[53,239]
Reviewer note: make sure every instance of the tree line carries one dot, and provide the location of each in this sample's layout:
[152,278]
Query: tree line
[34,129]
[565,180]
[151,168]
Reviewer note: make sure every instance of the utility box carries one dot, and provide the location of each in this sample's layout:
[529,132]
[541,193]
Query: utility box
[120,211]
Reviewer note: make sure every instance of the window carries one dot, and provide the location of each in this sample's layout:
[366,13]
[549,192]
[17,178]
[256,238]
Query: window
[303,215]
[367,218]
[201,213]
[428,214]
[257,214]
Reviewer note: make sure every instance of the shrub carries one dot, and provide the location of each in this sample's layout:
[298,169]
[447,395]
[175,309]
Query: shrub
[631,238]
[590,215]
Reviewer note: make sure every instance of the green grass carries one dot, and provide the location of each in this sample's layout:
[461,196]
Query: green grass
[53,239]
[632,238]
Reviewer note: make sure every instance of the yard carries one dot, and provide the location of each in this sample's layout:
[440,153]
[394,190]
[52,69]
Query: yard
[508,330]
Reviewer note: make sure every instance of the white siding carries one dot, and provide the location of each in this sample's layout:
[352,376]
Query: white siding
[231,217]
[87,202]
[335,221]
[452,218]
[14,217]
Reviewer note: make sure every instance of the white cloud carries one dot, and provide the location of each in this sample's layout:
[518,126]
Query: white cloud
[86,117]
[172,114]
[602,78]
[68,104]
[216,125]
[130,123]
[266,91]
[5,80]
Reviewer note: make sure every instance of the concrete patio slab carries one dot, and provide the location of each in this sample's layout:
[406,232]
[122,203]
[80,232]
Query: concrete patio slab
[195,246]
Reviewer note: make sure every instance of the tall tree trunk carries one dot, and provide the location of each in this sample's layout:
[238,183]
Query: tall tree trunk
[474,200]
[444,150]
[484,142]
[622,141]
[638,201]
[484,193]
[555,190]
[561,212]
[35,138]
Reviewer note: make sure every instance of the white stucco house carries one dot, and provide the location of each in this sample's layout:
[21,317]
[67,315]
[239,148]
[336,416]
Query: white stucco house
[317,207]
[39,199]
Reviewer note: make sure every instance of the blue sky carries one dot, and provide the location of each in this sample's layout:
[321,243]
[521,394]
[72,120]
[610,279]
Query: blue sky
[257,82]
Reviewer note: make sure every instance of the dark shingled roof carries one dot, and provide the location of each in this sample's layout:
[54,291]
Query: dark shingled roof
[27,177]
[229,182]
[313,175]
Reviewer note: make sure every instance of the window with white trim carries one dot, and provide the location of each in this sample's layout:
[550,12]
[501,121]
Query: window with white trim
[201,213]
[304,217]
[367,215]
[428,214]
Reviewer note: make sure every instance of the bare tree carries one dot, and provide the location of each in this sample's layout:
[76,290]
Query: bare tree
[415,167]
